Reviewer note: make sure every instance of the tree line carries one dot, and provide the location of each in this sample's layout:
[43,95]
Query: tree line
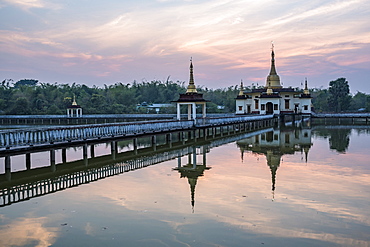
[29,96]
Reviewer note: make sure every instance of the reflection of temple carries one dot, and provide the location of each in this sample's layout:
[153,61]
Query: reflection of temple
[276,143]
[192,170]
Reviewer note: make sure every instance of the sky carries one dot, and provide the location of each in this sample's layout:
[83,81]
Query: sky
[97,42]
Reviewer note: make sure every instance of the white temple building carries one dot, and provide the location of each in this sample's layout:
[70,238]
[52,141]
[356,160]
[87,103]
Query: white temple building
[273,98]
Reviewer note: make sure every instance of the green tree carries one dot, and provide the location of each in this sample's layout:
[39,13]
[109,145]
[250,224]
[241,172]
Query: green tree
[26,82]
[320,99]
[359,101]
[21,107]
[339,98]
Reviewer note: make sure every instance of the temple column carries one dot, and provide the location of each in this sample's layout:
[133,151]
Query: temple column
[204,110]
[194,111]
[189,111]
[178,112]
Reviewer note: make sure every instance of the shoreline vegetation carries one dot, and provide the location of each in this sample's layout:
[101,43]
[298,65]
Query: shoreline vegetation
[31,97]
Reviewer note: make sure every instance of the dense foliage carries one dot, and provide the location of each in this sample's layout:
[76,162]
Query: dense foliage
[30,96]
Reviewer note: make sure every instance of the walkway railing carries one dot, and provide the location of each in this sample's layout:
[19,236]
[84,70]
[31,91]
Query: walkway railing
[230,120]
[9,138]
[342,115]
[51,135]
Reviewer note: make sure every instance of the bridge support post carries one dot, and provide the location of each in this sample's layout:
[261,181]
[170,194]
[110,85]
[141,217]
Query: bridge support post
[134,143]
[52,160]
[8,170]
[92,151]
[154,142]
[168,138]
[84,151]
[194,157]
[179,161]
[64,155]
[204,155]
[113,148]
[28,161]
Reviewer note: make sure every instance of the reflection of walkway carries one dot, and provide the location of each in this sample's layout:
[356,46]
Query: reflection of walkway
[276,143]
[24,185]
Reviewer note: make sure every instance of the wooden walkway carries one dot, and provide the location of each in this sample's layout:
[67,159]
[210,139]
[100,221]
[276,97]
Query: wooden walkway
[10,139]
[23,185]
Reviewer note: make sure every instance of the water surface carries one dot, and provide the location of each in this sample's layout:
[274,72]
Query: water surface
[294,187]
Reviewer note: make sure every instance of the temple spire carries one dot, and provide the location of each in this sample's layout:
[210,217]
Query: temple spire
[241,92]
[273,79]
[74,100]
[273,69]
[306,91]
[191,87]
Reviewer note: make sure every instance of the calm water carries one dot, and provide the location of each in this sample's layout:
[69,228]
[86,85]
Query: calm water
[277,188]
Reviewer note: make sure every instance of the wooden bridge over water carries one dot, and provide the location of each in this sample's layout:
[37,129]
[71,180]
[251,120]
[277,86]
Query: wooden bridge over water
[23,185]
[41,137]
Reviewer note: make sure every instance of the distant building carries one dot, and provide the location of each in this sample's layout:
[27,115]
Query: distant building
[153,107]
[74,110]
[273,98]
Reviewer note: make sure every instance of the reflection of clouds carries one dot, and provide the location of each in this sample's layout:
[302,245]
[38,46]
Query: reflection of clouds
[89,230]
[313,200]
[26,231]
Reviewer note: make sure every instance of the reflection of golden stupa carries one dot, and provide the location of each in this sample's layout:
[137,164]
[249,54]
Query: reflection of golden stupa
[274,144]
[273,161]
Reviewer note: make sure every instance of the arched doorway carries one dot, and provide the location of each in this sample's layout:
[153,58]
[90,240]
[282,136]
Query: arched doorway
[269,108]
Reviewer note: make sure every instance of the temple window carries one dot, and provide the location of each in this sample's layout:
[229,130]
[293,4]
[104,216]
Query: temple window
[286,104]
[256,103]
[240,108]
[287,138]
[276,107]
[262,107]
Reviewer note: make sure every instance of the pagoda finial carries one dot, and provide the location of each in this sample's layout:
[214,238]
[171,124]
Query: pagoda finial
[191,87]
[241,92]
[74,100]
[273,80]
[306,91]
[273,69]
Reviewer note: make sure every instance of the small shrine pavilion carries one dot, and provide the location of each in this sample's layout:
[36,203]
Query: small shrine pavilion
[191,98]
[74,110]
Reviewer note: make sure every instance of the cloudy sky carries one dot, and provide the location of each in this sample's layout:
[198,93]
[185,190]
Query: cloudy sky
[97,42]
